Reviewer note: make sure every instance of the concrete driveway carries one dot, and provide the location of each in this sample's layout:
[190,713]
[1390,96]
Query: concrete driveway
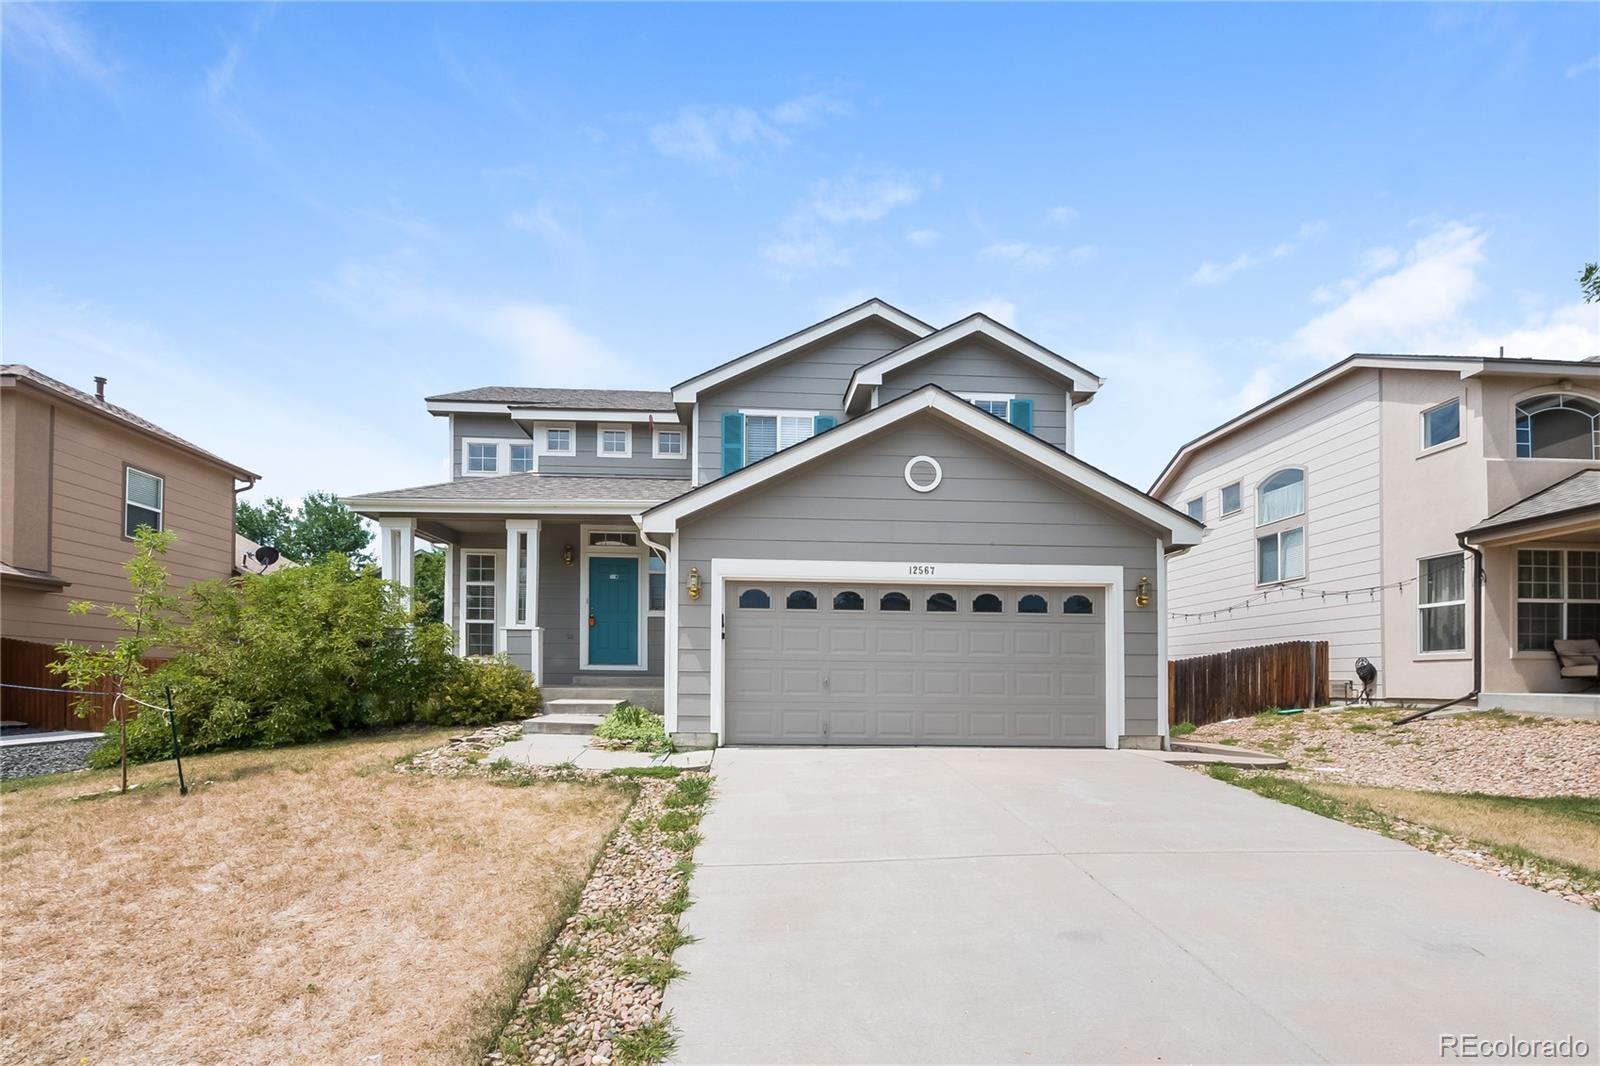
[943,905]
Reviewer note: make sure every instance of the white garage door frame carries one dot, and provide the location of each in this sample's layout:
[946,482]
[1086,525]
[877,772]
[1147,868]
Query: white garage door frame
[1108,578]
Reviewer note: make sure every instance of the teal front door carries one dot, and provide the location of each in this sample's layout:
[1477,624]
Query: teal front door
[613,611]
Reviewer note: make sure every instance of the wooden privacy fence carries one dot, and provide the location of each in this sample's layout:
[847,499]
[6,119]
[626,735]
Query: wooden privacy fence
[1244,681]
[23,662]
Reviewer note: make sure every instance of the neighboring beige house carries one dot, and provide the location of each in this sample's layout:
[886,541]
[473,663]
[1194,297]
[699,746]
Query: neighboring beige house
[1354,508]
[77,476]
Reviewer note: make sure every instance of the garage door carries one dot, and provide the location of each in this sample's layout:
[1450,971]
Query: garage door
[854,664]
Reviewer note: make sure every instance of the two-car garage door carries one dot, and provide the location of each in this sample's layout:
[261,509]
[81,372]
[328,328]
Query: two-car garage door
[913,664]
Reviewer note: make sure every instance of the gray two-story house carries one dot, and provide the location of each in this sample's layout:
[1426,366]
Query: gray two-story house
[871,531]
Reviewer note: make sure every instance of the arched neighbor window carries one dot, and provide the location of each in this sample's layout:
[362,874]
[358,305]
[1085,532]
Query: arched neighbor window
[1078,605]
[941,602]
[894,601]
[754,599]
[801,600]
[1558,427]
[1032,603]
[1282,495]
[986,603]
[848,601]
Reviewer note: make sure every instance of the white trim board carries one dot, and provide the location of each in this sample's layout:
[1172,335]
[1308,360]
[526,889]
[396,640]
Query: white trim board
[1180,530]
[494,508]
[575,414]
[1109,578]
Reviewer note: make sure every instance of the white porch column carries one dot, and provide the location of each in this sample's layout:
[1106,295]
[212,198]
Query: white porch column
[397,551]
[450,596]
[522,589]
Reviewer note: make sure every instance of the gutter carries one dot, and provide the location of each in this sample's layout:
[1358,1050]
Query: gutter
[1477,637]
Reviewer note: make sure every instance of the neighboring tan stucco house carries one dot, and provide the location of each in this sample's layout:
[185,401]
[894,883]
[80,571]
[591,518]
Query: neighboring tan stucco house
[1353,508]
[77,476]
[871,531]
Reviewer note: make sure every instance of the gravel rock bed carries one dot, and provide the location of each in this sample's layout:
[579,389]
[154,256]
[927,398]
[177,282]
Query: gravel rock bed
[596,994]
[1480,752]
[1464,851]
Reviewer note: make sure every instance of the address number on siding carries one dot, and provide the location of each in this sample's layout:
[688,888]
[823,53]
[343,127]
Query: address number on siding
[921,570]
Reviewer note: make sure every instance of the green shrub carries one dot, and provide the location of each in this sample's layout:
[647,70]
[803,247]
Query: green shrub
[482,692]
[1182,729]
[638,726]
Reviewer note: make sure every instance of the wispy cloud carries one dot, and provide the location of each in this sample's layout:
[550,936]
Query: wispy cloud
[1215,273]
[46,36]
[812,237]
[923,238]
[717,138]
[1061,216]
[1578,69]
[1030,256]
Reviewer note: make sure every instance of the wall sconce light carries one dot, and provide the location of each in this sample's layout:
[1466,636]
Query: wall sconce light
[566,554]
[694,582]
[1141,595]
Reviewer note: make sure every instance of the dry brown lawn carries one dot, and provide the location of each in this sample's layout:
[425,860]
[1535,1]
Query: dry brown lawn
[303,905]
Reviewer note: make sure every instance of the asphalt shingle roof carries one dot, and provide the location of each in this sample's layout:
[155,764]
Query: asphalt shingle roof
[564,399]
[1580,491]
[509,488]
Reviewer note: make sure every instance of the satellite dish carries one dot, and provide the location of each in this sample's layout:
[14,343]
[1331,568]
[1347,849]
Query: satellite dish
[266,555]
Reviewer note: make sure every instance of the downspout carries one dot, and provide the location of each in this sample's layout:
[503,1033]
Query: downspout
[1477,637]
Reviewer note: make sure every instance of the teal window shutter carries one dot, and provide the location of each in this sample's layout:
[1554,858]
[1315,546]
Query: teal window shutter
[732,441]
[1022,415]
[824,423]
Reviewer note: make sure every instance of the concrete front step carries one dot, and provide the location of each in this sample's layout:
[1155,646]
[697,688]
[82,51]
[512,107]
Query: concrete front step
[570,723]
[610,695]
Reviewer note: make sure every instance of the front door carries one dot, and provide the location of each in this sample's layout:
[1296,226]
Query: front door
[613,611]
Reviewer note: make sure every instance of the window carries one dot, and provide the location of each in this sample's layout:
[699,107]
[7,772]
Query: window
[770,432]
[479,586]
[894,601]
[668,443]
[658,583]
[1281,556]
[1078,605]
[1558,597]
[754,600]
[1032,603]
[986,603]
[521,458]
[1283,495]
[941,602]
[1558,427]
[610,538]
[483,457]
[1441,424]
[144,499]
[1196,508]
[614,441]
[992,403]
[848,601]
[521,613]
[1442,604]
[801,600]
[558,440]
[1232,500]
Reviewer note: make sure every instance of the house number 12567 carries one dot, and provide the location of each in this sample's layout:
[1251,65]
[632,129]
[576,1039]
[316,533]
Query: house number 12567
[921,570]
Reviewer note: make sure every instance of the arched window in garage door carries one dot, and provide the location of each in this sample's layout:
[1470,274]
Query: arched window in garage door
[801,600]
[848,600]
[941,603]
[1078,605]
[894,601]
[1033,603]
[754,599]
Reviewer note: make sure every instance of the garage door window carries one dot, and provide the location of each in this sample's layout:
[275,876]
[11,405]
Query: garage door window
[986,603]
[754,599]
[848,600]
[1033,603]
[941,603]
[894,601]
[801,600]
[1078,605]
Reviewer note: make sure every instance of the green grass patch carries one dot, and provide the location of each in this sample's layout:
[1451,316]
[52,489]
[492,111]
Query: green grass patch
[647,1044]
[678,821]
[692,791]
[1363,727]
[651,970]
[1182,729]
[665,772]
[637,726]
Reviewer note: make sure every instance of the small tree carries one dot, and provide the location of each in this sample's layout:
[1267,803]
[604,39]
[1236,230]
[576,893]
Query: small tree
[320,526]
[427,580]
[268,523]
[1589,282]
[148,623]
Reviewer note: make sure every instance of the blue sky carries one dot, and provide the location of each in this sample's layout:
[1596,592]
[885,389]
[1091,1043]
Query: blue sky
[276,228]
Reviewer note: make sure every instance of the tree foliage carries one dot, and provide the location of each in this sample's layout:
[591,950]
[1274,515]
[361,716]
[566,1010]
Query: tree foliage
[1589,281]
[320,526]
[427,579]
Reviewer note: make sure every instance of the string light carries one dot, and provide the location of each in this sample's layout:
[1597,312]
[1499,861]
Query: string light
[1283,592]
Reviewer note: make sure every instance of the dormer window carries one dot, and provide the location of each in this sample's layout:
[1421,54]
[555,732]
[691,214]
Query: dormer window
[480,458]
[614,441]
[521,458]
[997,404]
[1558,426]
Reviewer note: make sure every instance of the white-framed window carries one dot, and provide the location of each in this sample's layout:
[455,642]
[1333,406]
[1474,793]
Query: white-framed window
[1232,499]
[667,442]
[144,501]
[522,458]
[1281,556]
[480,457]
[559,438]
[769,432]
[1442,604]
[478,595]
[994,403]
[1441,424]
[613,440]
[1558,426]
[1558,596]
[658,584]
[1196,508]
[1282,495]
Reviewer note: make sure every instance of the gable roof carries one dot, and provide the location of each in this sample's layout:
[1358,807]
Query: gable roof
[1464,365]
[20,373]
[1569,496]
[975,325]
[688,391]
[1179,528]
[562,399]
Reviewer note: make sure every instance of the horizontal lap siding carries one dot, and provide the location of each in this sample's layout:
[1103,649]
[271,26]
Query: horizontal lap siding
[857,506]
[558,597]
[974,367]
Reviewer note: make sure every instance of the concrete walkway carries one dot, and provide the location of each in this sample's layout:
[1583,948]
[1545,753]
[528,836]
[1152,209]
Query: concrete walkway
[943,905]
